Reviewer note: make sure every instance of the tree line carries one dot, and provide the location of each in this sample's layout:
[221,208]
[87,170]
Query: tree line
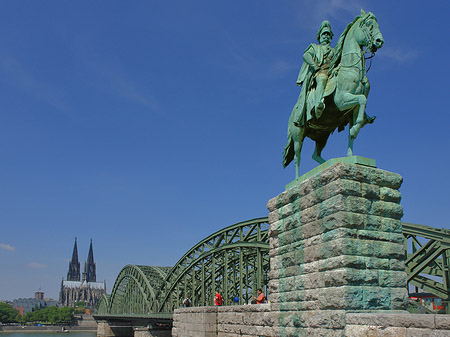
[51,315]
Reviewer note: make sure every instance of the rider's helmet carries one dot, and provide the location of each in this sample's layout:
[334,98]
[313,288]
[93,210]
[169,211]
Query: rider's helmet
[325,26]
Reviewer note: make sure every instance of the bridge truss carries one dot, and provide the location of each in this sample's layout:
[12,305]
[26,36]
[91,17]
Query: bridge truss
[235,261]
[428,259]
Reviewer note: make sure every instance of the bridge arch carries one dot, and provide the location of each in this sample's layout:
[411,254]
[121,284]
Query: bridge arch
[103,305]
[135,289]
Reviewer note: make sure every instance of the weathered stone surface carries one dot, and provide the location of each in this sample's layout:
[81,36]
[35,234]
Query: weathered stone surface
[443,322]
[266,320]
[374,331]
[389,194]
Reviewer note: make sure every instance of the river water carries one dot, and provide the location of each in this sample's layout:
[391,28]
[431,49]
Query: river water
[48,334]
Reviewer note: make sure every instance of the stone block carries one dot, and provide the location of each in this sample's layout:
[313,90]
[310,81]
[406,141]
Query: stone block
[399,298]
[414,332]
[386,209]
[351,261]
[330,319]
[442,322]
[373,331]
[369,175]
[392,278]
[370,191]
[389,194]
[440,333]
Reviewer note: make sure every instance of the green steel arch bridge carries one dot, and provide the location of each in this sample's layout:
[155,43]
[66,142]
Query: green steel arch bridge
[235,261]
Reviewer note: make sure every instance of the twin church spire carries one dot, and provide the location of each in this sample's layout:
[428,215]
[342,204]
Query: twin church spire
[89,274]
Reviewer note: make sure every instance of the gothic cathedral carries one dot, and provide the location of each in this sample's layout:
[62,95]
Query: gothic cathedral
[86,289]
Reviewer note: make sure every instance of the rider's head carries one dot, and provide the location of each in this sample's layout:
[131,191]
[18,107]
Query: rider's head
[324,33]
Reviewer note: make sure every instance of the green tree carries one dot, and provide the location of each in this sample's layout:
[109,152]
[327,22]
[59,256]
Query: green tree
[80,308]
[7,313]
[50,315]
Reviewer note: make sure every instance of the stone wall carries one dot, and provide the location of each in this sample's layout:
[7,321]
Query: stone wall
[237,320]
[195,322]
[263,321]
[397,325]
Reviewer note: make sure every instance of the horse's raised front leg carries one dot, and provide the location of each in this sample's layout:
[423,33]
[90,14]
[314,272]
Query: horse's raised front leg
[346,101]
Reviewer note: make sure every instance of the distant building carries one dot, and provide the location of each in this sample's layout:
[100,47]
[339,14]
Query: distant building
[86,290]
[25,305]
[39,295]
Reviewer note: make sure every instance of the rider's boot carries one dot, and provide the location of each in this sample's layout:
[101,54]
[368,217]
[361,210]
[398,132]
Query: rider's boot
[320,107]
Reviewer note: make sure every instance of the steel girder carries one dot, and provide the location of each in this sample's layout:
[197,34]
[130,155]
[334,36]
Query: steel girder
[234,261]
[428,258]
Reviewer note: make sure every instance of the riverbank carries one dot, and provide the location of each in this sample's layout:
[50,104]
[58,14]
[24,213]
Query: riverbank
[47,328]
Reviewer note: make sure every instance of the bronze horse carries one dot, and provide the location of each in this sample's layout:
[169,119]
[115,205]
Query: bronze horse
[345,94]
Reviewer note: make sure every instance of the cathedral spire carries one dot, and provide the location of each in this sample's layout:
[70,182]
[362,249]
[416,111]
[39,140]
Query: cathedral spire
[91,254]
[75,252]
[90,266]
[74,266]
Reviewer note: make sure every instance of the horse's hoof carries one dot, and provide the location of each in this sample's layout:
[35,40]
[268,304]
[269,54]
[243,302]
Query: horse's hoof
[319,159]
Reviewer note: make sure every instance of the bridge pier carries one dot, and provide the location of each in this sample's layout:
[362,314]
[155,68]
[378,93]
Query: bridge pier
[136,328]
[153,330]
[106,329]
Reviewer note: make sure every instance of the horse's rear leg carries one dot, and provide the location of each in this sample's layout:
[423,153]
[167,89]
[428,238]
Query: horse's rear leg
[298,143]
[320,144]
[350,143]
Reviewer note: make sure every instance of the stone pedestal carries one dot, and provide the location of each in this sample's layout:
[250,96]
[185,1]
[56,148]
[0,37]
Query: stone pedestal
[336,246]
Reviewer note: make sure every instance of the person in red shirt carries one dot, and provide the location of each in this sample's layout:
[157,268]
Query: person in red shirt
[261,298]
[218,299]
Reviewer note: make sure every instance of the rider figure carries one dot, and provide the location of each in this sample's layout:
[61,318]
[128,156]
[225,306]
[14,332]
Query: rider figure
[317,60]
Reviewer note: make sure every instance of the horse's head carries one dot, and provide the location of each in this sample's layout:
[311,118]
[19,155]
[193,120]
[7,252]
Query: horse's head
[370,35]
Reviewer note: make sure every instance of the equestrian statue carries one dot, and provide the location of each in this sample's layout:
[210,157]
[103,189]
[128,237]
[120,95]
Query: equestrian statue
[334,88]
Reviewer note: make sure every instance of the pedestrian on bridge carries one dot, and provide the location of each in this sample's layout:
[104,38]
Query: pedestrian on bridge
[218,299]
[261,298]
[186,302]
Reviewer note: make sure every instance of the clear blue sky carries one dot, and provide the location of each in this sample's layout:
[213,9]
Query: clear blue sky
[148,125]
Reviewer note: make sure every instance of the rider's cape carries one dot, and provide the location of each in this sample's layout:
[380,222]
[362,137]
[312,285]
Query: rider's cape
[306,80]
[304,108]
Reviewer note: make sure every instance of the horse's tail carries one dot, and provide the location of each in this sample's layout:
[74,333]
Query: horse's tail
[288,153]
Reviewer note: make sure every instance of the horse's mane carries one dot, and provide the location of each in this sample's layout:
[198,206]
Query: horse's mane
[339,46]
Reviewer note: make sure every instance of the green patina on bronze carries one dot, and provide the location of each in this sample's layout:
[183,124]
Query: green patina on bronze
[334,88]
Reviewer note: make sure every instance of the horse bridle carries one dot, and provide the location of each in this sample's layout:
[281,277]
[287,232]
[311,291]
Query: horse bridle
[370,39]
